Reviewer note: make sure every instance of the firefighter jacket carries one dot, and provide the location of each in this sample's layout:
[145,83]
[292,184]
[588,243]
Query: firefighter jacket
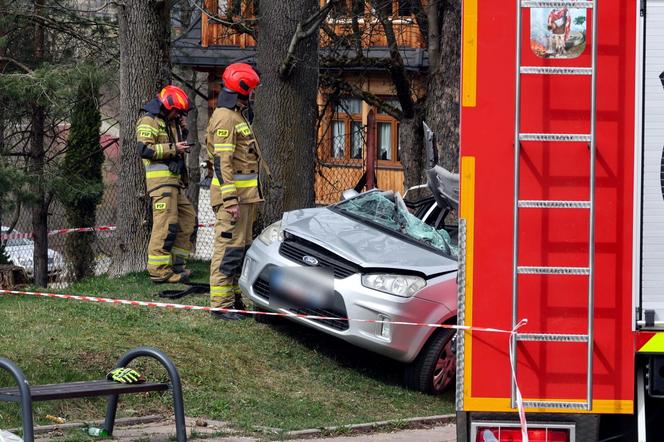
[235,154]
[156,146]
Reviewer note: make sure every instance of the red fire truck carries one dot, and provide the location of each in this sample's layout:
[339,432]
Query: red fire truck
[562,220]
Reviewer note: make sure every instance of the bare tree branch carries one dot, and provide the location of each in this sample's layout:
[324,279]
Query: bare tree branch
[340,61]
[419,10]
[305,29]
[433,36]
[339,84]
[357,10]
[19,64]
[398,68]
[329,32]
[244,26]
[56,25]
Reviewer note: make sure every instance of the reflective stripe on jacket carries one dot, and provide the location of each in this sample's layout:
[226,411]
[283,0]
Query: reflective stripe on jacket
[234,151]
[157,149]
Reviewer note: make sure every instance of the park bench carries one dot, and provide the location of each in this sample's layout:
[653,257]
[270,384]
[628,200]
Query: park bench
[25,393]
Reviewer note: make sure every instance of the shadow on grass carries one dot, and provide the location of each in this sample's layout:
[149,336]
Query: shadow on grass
[375,366]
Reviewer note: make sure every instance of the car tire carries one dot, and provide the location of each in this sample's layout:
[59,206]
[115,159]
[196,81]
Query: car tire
[434,369]
[264,319]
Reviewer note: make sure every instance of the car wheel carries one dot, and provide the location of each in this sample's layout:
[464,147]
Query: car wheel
[434,369]
[264,319]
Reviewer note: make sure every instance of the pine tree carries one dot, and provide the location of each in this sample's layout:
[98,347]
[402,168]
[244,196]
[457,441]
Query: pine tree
[82,173]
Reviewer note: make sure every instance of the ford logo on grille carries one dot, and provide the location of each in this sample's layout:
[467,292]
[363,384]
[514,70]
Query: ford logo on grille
[310,260]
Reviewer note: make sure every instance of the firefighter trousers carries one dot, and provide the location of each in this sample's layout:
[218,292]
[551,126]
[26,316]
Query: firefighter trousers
[173,231]
[232,238]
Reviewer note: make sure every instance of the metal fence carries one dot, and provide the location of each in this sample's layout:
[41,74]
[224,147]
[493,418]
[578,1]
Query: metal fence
[19,245]
[332,177]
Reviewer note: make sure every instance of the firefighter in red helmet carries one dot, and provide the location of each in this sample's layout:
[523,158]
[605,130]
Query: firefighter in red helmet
[235,192]
[162,144]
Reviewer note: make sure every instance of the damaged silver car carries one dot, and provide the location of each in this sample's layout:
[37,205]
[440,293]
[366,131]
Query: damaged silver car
[366,262]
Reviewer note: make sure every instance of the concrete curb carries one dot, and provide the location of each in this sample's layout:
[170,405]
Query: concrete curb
[120,422]
[363,428]
[366,427]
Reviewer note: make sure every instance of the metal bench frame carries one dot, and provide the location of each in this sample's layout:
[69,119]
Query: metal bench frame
[112,405]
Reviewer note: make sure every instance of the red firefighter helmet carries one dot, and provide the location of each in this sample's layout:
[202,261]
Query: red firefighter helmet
[172,97]
[240,78]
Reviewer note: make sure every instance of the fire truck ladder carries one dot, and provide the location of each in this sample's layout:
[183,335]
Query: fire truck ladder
[551,204]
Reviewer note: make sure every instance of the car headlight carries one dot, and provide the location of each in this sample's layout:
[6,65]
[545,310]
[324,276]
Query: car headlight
[399,285]
[272,233]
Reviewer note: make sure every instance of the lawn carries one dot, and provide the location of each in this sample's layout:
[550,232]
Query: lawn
[282,376]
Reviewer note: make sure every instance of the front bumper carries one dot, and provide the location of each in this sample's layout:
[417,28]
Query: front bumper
[400,342]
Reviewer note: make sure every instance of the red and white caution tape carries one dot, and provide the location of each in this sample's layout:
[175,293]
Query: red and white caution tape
[252,312]
[517,392]
[80,230]
[17,235]
[512,333]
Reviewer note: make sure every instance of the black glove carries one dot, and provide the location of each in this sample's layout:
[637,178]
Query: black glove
[174,166]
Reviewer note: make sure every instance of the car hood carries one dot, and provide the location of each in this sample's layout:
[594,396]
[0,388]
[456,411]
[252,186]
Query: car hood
[363,244]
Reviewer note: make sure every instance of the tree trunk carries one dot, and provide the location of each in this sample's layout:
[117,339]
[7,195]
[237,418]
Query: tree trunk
[3,193]
[144,31]
[194,155]
[411,134]
[83,171]
[286,109]
[39,208]
[442,100]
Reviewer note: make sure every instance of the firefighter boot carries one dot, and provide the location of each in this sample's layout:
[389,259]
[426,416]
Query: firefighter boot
[173,278]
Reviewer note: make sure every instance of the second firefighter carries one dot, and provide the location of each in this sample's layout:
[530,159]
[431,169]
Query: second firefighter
[235,191]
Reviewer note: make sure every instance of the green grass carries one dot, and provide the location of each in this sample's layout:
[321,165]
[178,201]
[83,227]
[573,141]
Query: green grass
[282,376]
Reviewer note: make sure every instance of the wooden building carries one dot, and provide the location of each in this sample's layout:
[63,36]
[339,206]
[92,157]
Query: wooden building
[209,46]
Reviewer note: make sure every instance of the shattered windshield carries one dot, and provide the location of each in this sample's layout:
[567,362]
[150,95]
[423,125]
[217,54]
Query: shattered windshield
[389,211]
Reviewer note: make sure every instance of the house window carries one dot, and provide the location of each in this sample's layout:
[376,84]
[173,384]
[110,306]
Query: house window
[358,7]
[356,140]
[404,8]
[388,149]
[340,10]
[344,8]
[347,132]
[395,8]
[222,10]
[385,141]
[338,139]
[245,8]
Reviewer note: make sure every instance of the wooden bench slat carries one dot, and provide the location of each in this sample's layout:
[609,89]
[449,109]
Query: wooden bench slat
[71,390]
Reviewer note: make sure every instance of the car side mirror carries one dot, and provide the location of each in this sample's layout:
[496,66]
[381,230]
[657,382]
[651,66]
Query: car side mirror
[348,194]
